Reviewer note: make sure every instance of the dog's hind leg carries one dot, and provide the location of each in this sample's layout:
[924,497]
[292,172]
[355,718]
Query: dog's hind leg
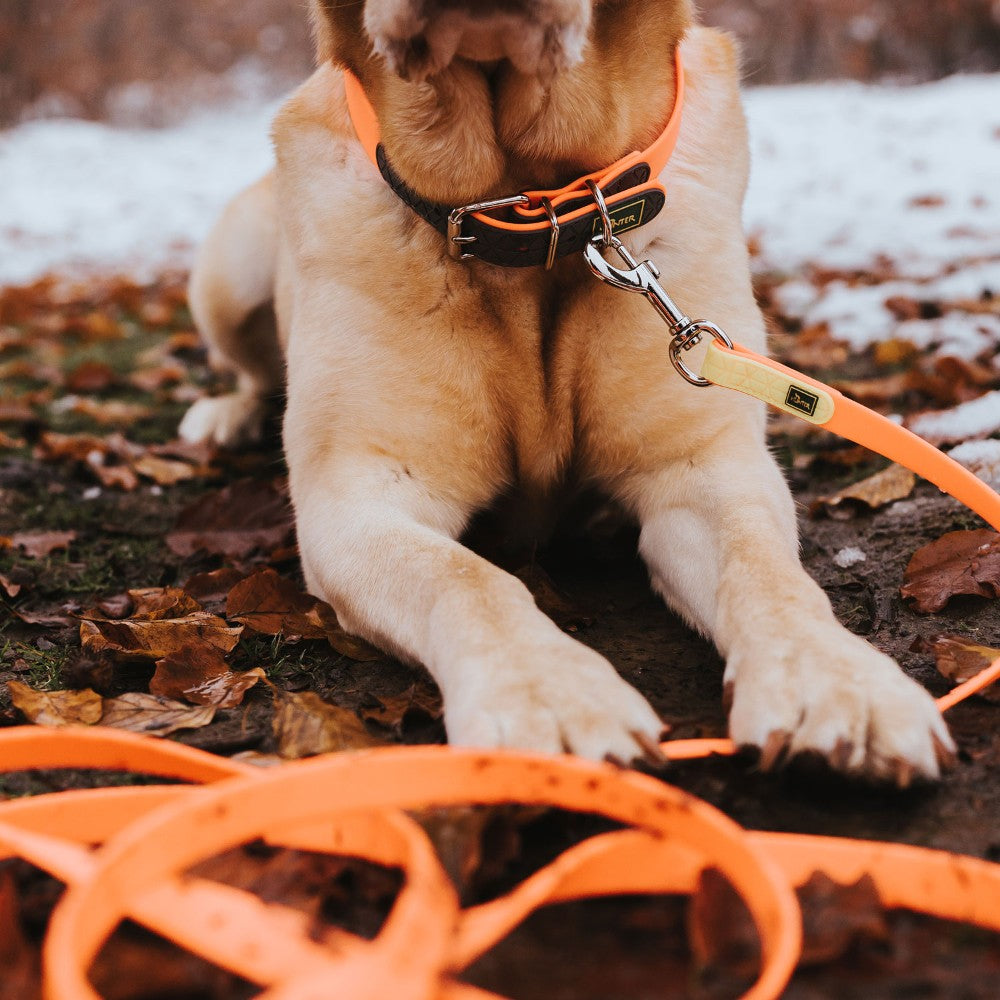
[231,294]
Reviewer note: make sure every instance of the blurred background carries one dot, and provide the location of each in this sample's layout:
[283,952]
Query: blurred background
[108,60]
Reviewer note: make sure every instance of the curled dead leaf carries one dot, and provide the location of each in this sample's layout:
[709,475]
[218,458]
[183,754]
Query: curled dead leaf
[960,660]
[305,725]
[959,562]
[152,715]
[132,638]
[159,603]
[198,674]
[268,603]
[271,604]
[38,545]
[893,483]
[56,708]
[391,711]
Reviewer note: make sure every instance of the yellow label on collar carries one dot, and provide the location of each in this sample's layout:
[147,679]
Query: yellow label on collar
[623,217]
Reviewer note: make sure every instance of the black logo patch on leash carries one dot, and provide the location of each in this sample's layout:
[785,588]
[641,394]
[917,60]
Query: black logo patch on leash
[802,400]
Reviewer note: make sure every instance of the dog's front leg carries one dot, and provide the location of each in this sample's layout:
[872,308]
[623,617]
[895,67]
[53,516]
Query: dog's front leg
[381,548]
[719,536]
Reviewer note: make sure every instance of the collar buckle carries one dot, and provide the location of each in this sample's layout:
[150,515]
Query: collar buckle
[456,241]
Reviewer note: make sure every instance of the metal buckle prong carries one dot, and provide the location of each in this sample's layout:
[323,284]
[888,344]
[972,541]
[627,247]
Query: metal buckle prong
[554,235]
[455,238]
[642,277]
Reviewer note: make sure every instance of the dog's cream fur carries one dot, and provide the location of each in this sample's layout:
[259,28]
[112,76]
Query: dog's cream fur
[421,389]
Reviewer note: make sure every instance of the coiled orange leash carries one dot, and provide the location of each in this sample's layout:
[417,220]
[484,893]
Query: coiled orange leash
[352,804]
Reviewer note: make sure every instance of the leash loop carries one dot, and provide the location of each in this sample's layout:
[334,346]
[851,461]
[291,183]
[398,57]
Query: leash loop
[644,277]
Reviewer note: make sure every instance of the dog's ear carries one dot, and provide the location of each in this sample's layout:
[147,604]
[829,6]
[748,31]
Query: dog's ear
[339,33]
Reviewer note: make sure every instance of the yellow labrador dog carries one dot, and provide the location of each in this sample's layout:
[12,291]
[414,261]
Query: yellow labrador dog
[424,382]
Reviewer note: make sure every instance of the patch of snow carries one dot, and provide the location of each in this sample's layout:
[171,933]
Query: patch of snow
[847,174]
[79,196]
[978,418]
[848,557]
[981,458]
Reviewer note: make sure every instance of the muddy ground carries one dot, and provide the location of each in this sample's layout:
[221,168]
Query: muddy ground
[610,949]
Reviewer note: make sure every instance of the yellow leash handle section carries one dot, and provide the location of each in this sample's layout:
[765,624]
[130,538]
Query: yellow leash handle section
[792,392]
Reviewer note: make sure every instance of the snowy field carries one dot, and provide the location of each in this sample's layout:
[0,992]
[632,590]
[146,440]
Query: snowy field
[903,180]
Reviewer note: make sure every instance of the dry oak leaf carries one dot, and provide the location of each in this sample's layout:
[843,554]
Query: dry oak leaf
[38,545]
[235,521]
[960,660]
[893,483]
[227,690]
[305,725]
[959,562]
[154,716]
[270,604]
[56,708]
[200,675]
[159,603]
[134,638]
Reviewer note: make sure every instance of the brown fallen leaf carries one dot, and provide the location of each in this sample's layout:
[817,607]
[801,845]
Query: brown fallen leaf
[91,376]
[132,638]
[7,441]
[242,518]
[721,932]
[185,668]
[227,690]
[305,725]
[10,588]
[19,958]
[391,711]
[38,545]
[835,916]
[56,708]
[165,471]
[152,715]
[159,603]
[198,674]
[46,617]
[959,660]
[271,604]
[892,483]
[214,587]
[959,562]
[106,412]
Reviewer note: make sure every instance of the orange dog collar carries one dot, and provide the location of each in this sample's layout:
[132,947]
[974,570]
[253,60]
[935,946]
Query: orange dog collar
[535,227]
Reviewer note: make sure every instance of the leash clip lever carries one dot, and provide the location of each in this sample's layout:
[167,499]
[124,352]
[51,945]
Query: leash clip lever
[644,277]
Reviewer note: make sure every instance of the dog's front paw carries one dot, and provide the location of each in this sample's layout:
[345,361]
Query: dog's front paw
[835,696]
[235,418]
[558,697]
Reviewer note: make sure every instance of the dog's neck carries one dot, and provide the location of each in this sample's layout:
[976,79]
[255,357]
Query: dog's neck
[473,131]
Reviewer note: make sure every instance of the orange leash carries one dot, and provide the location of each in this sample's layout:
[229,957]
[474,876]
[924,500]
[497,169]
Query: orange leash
[351,804]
